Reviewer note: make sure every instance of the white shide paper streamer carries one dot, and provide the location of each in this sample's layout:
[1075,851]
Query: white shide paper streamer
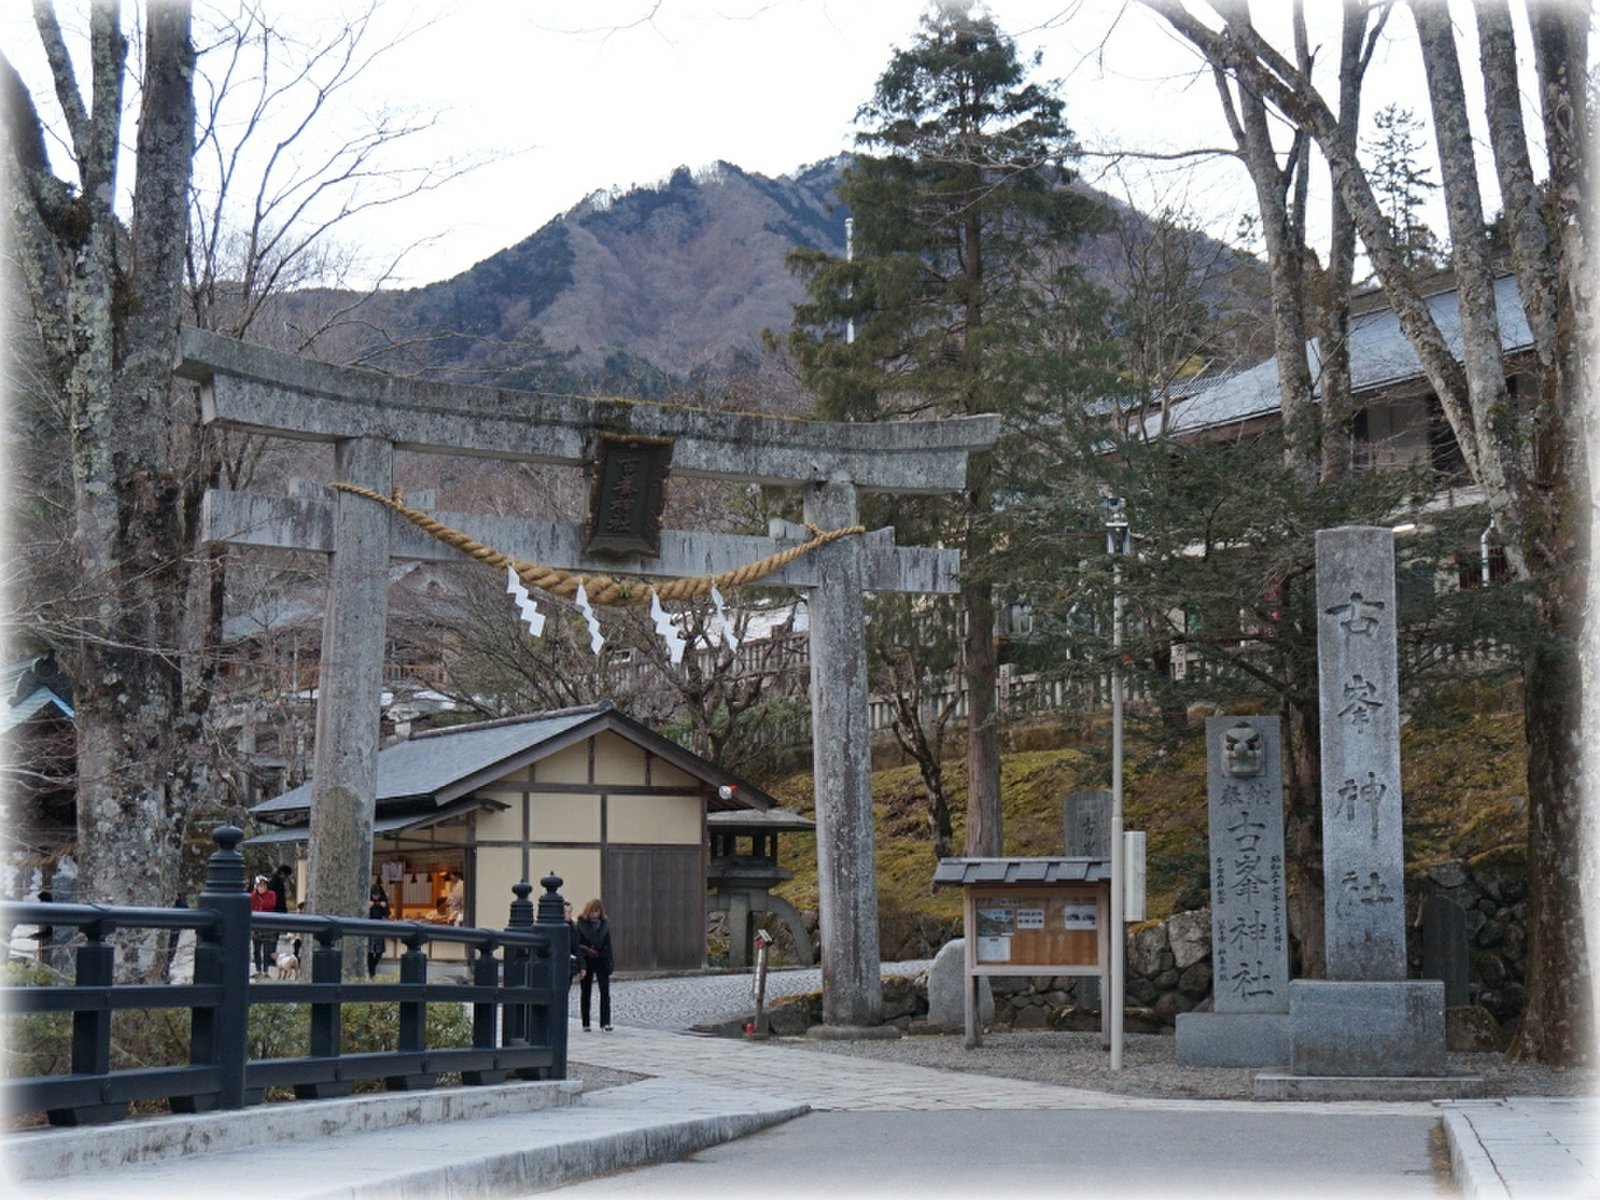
[525,603]
[667,629]
[596,640]
[730,638]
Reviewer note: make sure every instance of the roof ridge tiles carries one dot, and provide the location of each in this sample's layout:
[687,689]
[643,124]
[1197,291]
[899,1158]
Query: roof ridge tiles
[549,714]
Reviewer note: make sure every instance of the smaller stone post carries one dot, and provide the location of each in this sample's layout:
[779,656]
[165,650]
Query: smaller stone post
[1086,817]
[519,962]
[1249,1022]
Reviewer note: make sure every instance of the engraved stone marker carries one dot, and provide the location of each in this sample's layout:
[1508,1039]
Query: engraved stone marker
[1249,1024]
[1359,682]
[1088,824]
[1444,946]
[1249,934]
[1366,1019]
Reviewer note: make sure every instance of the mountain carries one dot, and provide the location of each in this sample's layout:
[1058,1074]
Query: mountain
[637,292]
[633,289]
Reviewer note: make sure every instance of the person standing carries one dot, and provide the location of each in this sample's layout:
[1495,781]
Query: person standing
[263,900]
[281,887]
[594,955]
[573,952]
[377,910]
[455,897]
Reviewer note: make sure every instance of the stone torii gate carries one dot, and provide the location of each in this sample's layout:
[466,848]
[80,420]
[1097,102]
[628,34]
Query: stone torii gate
[367,416]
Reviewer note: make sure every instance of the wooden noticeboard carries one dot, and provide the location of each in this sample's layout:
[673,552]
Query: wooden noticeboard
[1035,929]
[1058,928]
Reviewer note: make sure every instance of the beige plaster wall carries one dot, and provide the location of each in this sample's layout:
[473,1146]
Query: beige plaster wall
[565,766]
[579,871]
[618,761]
[558,818]
[501,826]
[663,774]
[658,820]
[495,870]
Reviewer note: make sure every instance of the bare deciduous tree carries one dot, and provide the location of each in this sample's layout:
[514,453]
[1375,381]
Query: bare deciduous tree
[1524,450]
[105,291]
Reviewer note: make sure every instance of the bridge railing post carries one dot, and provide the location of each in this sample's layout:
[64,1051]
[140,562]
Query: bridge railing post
[327,1017]
[550,1022]
[519,962]
[413,1015]
[485,1013]
[219,1036]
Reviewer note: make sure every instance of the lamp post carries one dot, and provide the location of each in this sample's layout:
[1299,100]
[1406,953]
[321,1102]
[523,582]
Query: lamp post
[1117,541]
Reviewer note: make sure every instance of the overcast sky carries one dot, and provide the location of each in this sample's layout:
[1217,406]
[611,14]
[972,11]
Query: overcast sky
[564,98]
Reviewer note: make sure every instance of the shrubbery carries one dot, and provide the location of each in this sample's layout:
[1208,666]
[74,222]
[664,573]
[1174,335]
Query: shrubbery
[40,1043]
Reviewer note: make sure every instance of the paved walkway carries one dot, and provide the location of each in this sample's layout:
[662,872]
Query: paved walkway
[703,1091]
[684,1001]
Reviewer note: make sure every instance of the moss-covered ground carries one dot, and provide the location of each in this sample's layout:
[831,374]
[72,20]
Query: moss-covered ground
[1462,768]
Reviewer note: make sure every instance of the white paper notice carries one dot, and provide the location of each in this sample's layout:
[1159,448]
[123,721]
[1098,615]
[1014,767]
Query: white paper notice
[1079,916]
[994,949]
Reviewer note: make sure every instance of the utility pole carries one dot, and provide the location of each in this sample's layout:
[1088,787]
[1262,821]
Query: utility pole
[1117,541]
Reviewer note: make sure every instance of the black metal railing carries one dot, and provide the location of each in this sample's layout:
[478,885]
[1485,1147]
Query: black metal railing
[518,1002]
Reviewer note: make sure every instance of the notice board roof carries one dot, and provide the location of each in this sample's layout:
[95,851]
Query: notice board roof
[1022,870]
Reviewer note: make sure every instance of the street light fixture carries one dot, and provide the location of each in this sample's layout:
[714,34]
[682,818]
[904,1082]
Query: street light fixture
[1118,540]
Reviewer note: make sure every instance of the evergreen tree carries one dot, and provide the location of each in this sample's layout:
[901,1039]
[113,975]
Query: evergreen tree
[1402,182]
[960,299]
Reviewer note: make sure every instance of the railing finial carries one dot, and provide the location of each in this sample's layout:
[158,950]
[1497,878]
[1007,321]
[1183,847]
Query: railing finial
[551,904]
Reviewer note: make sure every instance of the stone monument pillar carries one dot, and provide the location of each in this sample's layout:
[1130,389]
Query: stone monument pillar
[1366,1018]
[1086,820]
[1249,1022]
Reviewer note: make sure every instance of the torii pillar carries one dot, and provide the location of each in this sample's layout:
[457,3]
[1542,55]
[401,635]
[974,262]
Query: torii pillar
[847,892]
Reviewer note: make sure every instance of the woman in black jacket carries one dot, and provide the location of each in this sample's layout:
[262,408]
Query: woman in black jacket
[594,956]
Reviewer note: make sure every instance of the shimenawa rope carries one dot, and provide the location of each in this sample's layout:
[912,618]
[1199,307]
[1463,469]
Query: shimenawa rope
[602,589]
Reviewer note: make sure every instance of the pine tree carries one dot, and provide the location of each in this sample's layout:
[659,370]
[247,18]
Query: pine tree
[960,299]
[1402,183]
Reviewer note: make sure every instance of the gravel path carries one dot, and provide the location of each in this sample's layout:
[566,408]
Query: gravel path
[1149,1067]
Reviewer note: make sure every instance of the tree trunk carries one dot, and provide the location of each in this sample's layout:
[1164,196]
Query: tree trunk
[130,535]
[1302,715]
[1557,1022]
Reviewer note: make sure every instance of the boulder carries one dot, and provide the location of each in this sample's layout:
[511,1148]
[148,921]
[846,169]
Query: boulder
[1145,945]
[902,999]
[1076,1019]
[1450,874]
[1195,982]
[1189,934]
[1472,1028]
[1170,1004]
[946,981]
[1033,1017]
[791,1016]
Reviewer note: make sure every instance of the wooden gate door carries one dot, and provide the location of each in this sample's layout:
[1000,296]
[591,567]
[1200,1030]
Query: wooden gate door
[655,897]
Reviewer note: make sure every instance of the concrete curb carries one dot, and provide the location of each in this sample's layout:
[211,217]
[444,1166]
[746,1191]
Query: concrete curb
[1471,1167]
[569,1161]
[54,1153]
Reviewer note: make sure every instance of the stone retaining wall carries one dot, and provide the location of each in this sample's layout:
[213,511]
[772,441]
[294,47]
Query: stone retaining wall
[1169,960]
[1493,889]
[1169,972]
